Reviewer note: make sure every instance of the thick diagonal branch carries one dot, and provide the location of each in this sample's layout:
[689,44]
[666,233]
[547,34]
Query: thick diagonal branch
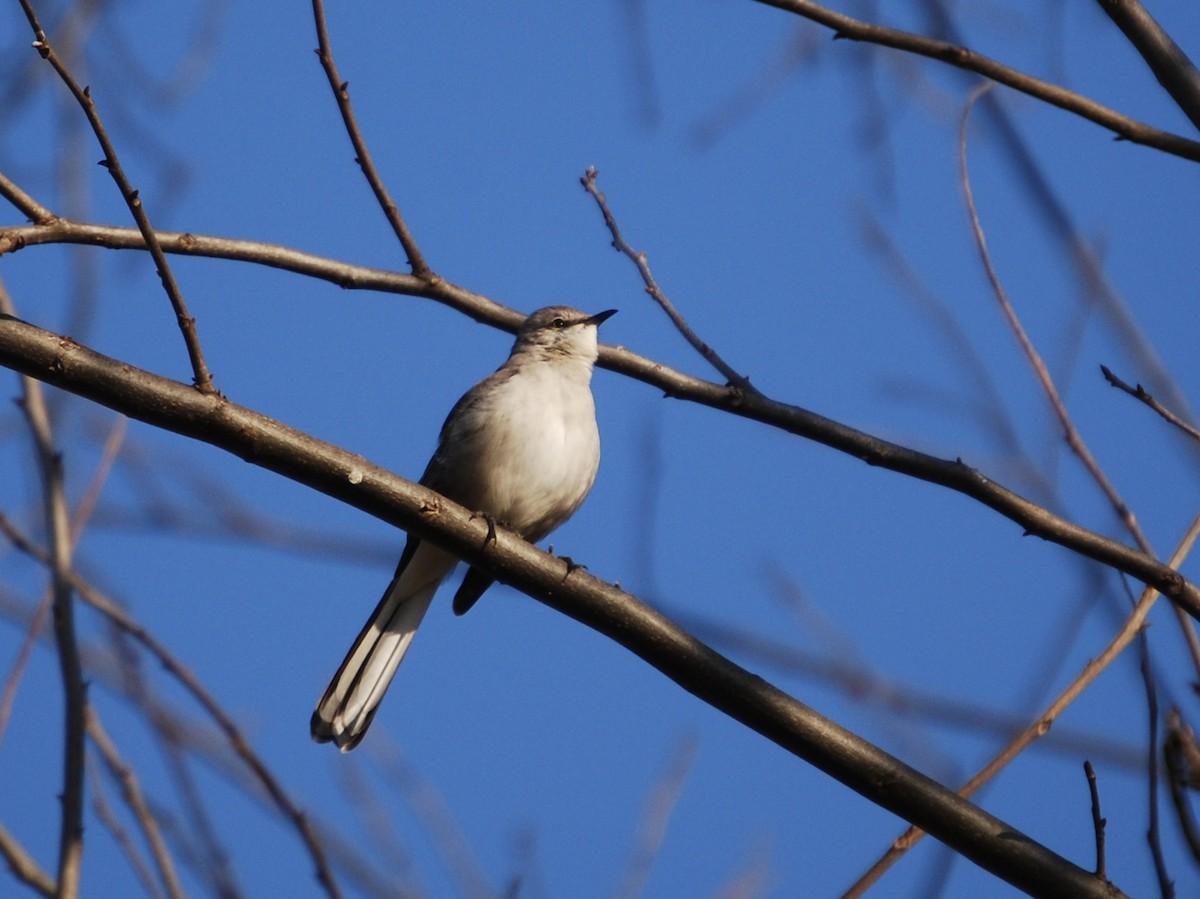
[745,697]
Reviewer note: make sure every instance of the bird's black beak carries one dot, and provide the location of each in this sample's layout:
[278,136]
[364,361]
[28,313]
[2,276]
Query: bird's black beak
[602,316]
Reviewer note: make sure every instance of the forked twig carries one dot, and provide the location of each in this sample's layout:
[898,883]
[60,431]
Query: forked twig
[1140,393]
[107,816]
[202,378]
[341,92]
[643,266]
[1040,369]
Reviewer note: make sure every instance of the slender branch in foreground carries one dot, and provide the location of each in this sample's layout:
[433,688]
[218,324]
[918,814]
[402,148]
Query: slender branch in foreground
[1127,634]
[1123,126]
[187,325]
[1170,65]
[341,92]
[58,524]
[1140,393]
[349,478]
[643,266]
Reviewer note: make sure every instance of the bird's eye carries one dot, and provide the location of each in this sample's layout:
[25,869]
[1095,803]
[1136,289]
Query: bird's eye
[558,323]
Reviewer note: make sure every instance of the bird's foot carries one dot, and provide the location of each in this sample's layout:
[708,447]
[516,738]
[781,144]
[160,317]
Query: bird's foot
[491,523]
[572,566]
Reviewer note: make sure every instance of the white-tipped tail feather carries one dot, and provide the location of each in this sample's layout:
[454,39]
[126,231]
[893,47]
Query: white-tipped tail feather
[345,711]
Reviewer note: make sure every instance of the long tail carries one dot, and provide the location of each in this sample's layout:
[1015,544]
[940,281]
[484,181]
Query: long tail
[349,703]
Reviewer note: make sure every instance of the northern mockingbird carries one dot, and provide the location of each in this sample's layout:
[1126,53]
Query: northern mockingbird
[521,446]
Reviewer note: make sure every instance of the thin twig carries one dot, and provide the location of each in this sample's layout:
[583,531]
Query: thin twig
[652,830]
[643,266]
[108,457]
[1098,821]
[33,630]
[1123,126]
[23,866]
[121,836]
[1092,670]
[202,378]
[1040,369]
[1166,886]
[898,699]
[377,820]
[34,211]
[341,92]
[58,524]
[1170,65]
[432,811]
[131,790]
[1182,756]
[1140,393]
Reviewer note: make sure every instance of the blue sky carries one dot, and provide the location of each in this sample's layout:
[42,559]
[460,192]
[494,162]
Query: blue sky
[541,740]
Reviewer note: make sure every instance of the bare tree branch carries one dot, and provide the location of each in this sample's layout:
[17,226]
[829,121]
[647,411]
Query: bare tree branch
[32,209]
[1040,369]
[1124,127]
[1170,65]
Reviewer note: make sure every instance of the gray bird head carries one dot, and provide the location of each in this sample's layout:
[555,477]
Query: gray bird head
[560,331]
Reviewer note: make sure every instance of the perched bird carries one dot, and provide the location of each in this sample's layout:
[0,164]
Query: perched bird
[522,447]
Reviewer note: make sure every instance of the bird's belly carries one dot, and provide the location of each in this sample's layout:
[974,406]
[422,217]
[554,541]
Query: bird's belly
[540,478]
